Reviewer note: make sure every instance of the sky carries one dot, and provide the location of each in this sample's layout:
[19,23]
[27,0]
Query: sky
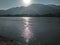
[6,4]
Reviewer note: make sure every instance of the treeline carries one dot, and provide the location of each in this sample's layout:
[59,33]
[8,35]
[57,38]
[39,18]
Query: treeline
[32,15]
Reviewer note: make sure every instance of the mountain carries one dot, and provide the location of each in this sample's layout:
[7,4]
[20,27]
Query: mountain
[32,9]
[55,6]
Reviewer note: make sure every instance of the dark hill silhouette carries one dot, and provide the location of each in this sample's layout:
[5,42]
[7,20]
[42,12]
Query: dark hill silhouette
[32,10]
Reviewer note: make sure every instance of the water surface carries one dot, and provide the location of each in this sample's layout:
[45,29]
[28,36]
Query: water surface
[41,30]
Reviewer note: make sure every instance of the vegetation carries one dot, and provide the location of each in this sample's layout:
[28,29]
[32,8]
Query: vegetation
[30,15]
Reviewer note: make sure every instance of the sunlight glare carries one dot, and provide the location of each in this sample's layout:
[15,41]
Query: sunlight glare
[27,33]
[27,2]
[26,18]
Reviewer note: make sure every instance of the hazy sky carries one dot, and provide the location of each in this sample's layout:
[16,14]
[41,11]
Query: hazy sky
[5,4]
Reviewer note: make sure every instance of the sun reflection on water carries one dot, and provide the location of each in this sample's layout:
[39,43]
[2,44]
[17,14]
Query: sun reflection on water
[27,33]
[26,18]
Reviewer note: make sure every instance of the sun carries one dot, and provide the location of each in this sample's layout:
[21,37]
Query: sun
[27,2]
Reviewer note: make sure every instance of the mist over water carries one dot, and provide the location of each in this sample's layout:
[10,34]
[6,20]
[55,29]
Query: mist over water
[32,30]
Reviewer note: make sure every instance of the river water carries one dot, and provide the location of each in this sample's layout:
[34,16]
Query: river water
[42,30]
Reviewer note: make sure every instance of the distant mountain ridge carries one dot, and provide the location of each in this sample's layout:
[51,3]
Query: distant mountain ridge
[32,9]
